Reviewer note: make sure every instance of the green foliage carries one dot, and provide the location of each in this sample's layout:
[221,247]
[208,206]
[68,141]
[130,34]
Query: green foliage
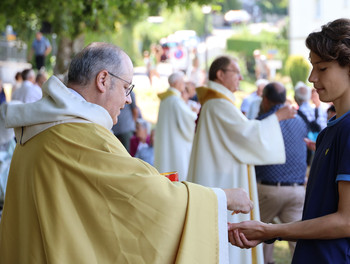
[176,19]
[273,6]
[245,43]
[71,18]
[230,5]
[297,68]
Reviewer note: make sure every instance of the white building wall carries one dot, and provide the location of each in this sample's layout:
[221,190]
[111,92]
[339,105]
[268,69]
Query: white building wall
[306,16]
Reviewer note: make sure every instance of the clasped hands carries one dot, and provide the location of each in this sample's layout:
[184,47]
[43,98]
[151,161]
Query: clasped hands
[245,234]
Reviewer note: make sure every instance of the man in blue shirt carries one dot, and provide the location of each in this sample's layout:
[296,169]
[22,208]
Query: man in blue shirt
[281,187]
[41,48]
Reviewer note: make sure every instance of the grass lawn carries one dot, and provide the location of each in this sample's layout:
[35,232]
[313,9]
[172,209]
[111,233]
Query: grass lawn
[281,253]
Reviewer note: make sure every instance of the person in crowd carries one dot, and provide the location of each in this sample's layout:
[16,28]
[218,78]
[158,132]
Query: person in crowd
[7,146]
[323,235]
[126,125]
[41,47]
[281,187]
[188,93]
[75,195]
[226,142]
[2,93]
[302,96]
[174,129]
[28,92]
[141,138]
[146,151]
[196,75]
[154,60]
[262,70]
[18,81]
[147,63]
[251,104]
[331,112]
[320,111]
[40,79]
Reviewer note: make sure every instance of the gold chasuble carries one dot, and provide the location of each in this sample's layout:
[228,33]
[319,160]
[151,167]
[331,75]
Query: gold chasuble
[75,195]
[88,201]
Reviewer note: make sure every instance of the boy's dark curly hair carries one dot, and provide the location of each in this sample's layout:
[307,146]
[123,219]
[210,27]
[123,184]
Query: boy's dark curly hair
[332,42]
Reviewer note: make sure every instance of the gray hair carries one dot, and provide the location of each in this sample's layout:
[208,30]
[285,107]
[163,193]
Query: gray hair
[143,123]
[173,78]
[261,82]
[302,92]
[28,74]
[92,59]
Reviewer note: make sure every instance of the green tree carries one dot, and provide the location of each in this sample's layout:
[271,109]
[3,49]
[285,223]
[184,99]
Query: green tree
[70,20]
[230,5]
[298,68]
[273,6]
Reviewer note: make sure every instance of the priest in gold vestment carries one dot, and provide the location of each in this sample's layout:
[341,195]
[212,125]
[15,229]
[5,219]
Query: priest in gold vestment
[75,195]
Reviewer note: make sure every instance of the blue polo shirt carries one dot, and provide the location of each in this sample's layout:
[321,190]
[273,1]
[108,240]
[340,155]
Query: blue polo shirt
[330,165]
[40,46]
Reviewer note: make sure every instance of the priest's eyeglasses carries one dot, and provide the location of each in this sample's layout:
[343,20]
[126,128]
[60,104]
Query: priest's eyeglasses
[130,87]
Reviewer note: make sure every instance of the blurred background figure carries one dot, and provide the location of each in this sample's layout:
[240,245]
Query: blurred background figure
[302,96]
[141,136]
[147,63]
[41,47]
[154,59]
[262,70]
[7,146]
[18,81]
[320,113]
[126,125]
[251,104]
[196,74]
[174,130]
[28,92]
[188,94]
[2,93]
[331,112]
[40,79]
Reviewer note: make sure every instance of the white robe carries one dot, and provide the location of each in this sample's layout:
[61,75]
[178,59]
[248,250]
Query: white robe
[174,135]
[224,143]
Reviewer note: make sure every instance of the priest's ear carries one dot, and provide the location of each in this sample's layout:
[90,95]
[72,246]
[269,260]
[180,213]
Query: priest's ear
[220,76]
[102,81]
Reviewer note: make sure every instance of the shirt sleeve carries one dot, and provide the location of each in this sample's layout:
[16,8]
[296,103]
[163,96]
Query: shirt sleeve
[222,225]
[344,164]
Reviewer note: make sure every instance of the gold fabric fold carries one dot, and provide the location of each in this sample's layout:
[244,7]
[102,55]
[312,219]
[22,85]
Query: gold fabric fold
[75,195]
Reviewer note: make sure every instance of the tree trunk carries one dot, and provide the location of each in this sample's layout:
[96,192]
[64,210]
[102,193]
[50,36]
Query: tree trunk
[67,48]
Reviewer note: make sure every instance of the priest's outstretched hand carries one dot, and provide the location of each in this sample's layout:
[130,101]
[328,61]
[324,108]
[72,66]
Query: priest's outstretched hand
[286,112]
[238,200]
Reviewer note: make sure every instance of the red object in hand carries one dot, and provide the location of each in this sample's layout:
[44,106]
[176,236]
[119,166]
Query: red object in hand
[173,176]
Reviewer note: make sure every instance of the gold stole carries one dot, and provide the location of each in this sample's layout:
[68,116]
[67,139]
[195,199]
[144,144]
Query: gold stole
[204,94]
[254,254]
[166,94]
